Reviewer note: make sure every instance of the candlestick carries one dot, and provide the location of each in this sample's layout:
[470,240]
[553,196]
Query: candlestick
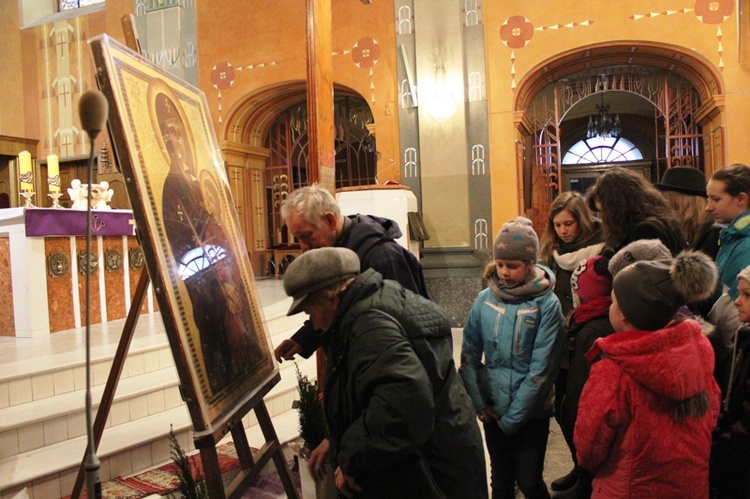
[53,173]
[27,195]
[55,199]
[27,179]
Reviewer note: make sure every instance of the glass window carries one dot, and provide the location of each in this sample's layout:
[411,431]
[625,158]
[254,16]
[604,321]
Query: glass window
[602,150]
[75,4]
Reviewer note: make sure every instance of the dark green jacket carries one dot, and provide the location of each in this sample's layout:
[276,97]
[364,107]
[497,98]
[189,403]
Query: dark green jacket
[401,422]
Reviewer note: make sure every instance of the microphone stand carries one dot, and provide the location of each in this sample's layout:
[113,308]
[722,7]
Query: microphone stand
[91,464]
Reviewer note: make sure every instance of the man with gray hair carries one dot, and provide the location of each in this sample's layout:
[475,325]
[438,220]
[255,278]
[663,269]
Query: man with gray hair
[314,217]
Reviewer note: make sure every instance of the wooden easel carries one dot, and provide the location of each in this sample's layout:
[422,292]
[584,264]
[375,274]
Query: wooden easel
[250,469]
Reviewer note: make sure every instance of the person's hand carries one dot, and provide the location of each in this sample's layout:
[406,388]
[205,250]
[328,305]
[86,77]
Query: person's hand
[286,350]
[346,484]
[318,458]
[487,414]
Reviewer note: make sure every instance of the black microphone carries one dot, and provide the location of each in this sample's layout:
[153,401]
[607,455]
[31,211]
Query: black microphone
[92,109]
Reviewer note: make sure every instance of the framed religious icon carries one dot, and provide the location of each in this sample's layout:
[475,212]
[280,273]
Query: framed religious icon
[187,223]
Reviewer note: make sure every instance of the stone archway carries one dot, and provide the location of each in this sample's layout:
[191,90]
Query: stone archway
[247,157]
[540,125]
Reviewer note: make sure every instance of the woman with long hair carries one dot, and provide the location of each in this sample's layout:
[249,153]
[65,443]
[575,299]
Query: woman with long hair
[631,209]
[572,234]
[684,188]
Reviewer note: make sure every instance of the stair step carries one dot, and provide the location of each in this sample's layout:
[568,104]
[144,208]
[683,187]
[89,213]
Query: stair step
[65,457]
[42,396]
[74,402]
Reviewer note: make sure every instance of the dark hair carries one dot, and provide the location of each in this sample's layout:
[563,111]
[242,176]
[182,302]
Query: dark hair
[627,199]
[736,177]
[576,205]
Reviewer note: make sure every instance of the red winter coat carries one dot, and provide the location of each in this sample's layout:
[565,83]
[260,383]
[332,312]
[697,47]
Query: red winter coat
[624,433]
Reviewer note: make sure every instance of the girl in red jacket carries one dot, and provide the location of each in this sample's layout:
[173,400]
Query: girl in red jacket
[648,408]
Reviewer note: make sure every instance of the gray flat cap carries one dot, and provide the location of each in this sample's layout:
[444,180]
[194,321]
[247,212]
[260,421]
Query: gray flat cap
[317,269]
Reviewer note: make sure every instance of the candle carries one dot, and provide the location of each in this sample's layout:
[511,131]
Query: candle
[24,160]
[53,173]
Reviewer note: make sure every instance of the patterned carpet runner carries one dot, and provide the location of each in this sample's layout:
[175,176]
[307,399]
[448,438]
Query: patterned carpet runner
[164,480]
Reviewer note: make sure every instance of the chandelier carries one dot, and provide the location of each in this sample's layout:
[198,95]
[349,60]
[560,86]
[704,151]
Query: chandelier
[602,125]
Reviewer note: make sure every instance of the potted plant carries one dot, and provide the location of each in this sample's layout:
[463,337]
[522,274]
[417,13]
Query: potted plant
[313,430]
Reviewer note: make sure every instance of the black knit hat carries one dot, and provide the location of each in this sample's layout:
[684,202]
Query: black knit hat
[685,180]
[650,293]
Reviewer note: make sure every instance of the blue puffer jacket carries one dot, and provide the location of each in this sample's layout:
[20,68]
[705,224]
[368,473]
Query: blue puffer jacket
[522,345]
[734,251]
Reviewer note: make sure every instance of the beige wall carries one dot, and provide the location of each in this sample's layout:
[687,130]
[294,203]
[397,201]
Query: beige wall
[270,37]
[571,25]
[11,111]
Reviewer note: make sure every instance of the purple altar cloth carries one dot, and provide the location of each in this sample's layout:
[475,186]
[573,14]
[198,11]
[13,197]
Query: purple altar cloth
[67,222]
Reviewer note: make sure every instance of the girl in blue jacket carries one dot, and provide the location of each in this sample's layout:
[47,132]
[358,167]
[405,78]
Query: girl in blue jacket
[514,339]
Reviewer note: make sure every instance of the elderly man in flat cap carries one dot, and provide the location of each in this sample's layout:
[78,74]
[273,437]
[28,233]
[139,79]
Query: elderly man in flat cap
[401,423]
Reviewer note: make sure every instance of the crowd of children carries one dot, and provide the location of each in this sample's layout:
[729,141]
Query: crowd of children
[653,399]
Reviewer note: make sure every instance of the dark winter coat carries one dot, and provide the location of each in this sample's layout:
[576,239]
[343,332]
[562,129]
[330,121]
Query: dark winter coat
[583,337]
[374,240]
[668,233]
[625,433]
[401,423]
[730,452]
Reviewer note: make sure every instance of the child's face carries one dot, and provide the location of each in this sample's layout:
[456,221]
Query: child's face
[743,300]
[566,226]
[512,272]
[722,206]
[616,318]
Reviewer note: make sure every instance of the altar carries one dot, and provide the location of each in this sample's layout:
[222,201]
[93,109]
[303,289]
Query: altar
[44,266]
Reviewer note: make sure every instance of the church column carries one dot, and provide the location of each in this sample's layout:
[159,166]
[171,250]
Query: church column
[245,169]
[320,94]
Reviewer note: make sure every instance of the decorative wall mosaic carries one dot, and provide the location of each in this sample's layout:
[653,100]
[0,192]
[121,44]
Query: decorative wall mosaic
[135,257]
[58,264]
[113,260]
[87,262]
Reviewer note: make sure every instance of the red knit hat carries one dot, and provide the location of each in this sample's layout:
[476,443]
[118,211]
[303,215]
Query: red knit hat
[591,279]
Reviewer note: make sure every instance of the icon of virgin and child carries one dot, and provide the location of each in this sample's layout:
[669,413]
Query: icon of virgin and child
[196,226]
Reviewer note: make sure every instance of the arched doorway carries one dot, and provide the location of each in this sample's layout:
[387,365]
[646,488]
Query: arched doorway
[264,143]
[669,102]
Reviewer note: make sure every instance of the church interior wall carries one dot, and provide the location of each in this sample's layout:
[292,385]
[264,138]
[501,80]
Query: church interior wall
[269,47]
[266,44]
[512,55]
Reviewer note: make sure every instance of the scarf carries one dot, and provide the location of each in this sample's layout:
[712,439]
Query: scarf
[568,255]
[571,259]
[590,310]
[536,283]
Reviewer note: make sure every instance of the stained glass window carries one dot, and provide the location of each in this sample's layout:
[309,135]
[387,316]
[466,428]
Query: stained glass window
[76,4]
[602,150]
